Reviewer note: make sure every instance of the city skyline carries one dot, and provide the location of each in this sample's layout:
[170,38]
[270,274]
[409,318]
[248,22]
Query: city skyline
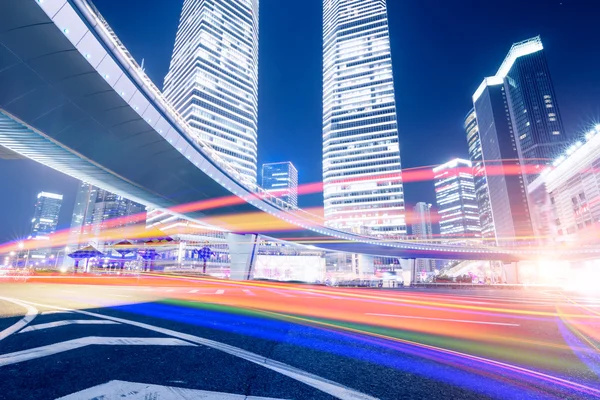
[458,138]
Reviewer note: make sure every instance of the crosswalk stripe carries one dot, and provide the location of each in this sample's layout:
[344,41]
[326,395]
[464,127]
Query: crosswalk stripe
[38,352]
[55,324]
[220,291]
[193,291]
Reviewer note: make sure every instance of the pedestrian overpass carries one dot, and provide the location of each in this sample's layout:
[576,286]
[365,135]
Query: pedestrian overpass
[74,99]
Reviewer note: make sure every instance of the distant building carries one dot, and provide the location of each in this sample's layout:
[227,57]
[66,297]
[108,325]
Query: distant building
[422,232]
[486,219]
[281,180]
[362,174]
[213,78]
[45,215]
[503,168]
[565,199]
[96,211]
[455,196]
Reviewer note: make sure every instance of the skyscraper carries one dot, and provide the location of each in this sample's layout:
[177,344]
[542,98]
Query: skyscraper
[422,232]
[421,226]
[534,108]
[213,77]
[362,174]
[281,179]
[479,178]
[45,215]
[505,181]
[531,104]
[457,205]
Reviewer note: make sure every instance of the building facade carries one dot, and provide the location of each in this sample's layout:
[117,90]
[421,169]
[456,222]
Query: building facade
[422,232]
[45,215]
[502,165]
[486,219]
[362,175]
[565,199]
[213,78]
[457,205]
[281,180]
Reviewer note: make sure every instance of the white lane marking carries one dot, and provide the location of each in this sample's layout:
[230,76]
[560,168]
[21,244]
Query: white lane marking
[220,291]
[170,290]
[29,316]
[121,295]
[465,321]
[194,291]
[56,324]
[248,292]
[141,391]
[44,351]
[281,293]
[324,385]
[55,312]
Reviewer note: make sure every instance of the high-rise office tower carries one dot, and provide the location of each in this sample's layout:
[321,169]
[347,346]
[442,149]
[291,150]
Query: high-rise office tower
[499,147]
[45,215]
[456,201]
[213,77]
[479,178]
[361,154]
[422,232]
[281,179]
[531,104]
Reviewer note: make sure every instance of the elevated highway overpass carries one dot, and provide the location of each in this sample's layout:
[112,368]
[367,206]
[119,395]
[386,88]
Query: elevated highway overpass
[73,98]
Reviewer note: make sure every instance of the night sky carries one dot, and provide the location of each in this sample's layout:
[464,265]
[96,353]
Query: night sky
[441,51]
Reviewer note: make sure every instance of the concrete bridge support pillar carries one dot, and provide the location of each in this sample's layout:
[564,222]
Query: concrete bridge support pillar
[409,270]
[510,274]
[242,250]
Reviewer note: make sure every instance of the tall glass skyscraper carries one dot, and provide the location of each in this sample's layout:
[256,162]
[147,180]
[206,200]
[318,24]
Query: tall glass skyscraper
[534,108]
[531,103]
[520,129]
[45,215]
[479,178]
[213,78]
[361,154]
[457,205]
[281,179]
[506,184]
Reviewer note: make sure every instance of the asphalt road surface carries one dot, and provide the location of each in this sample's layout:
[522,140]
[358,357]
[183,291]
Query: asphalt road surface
[159,337]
